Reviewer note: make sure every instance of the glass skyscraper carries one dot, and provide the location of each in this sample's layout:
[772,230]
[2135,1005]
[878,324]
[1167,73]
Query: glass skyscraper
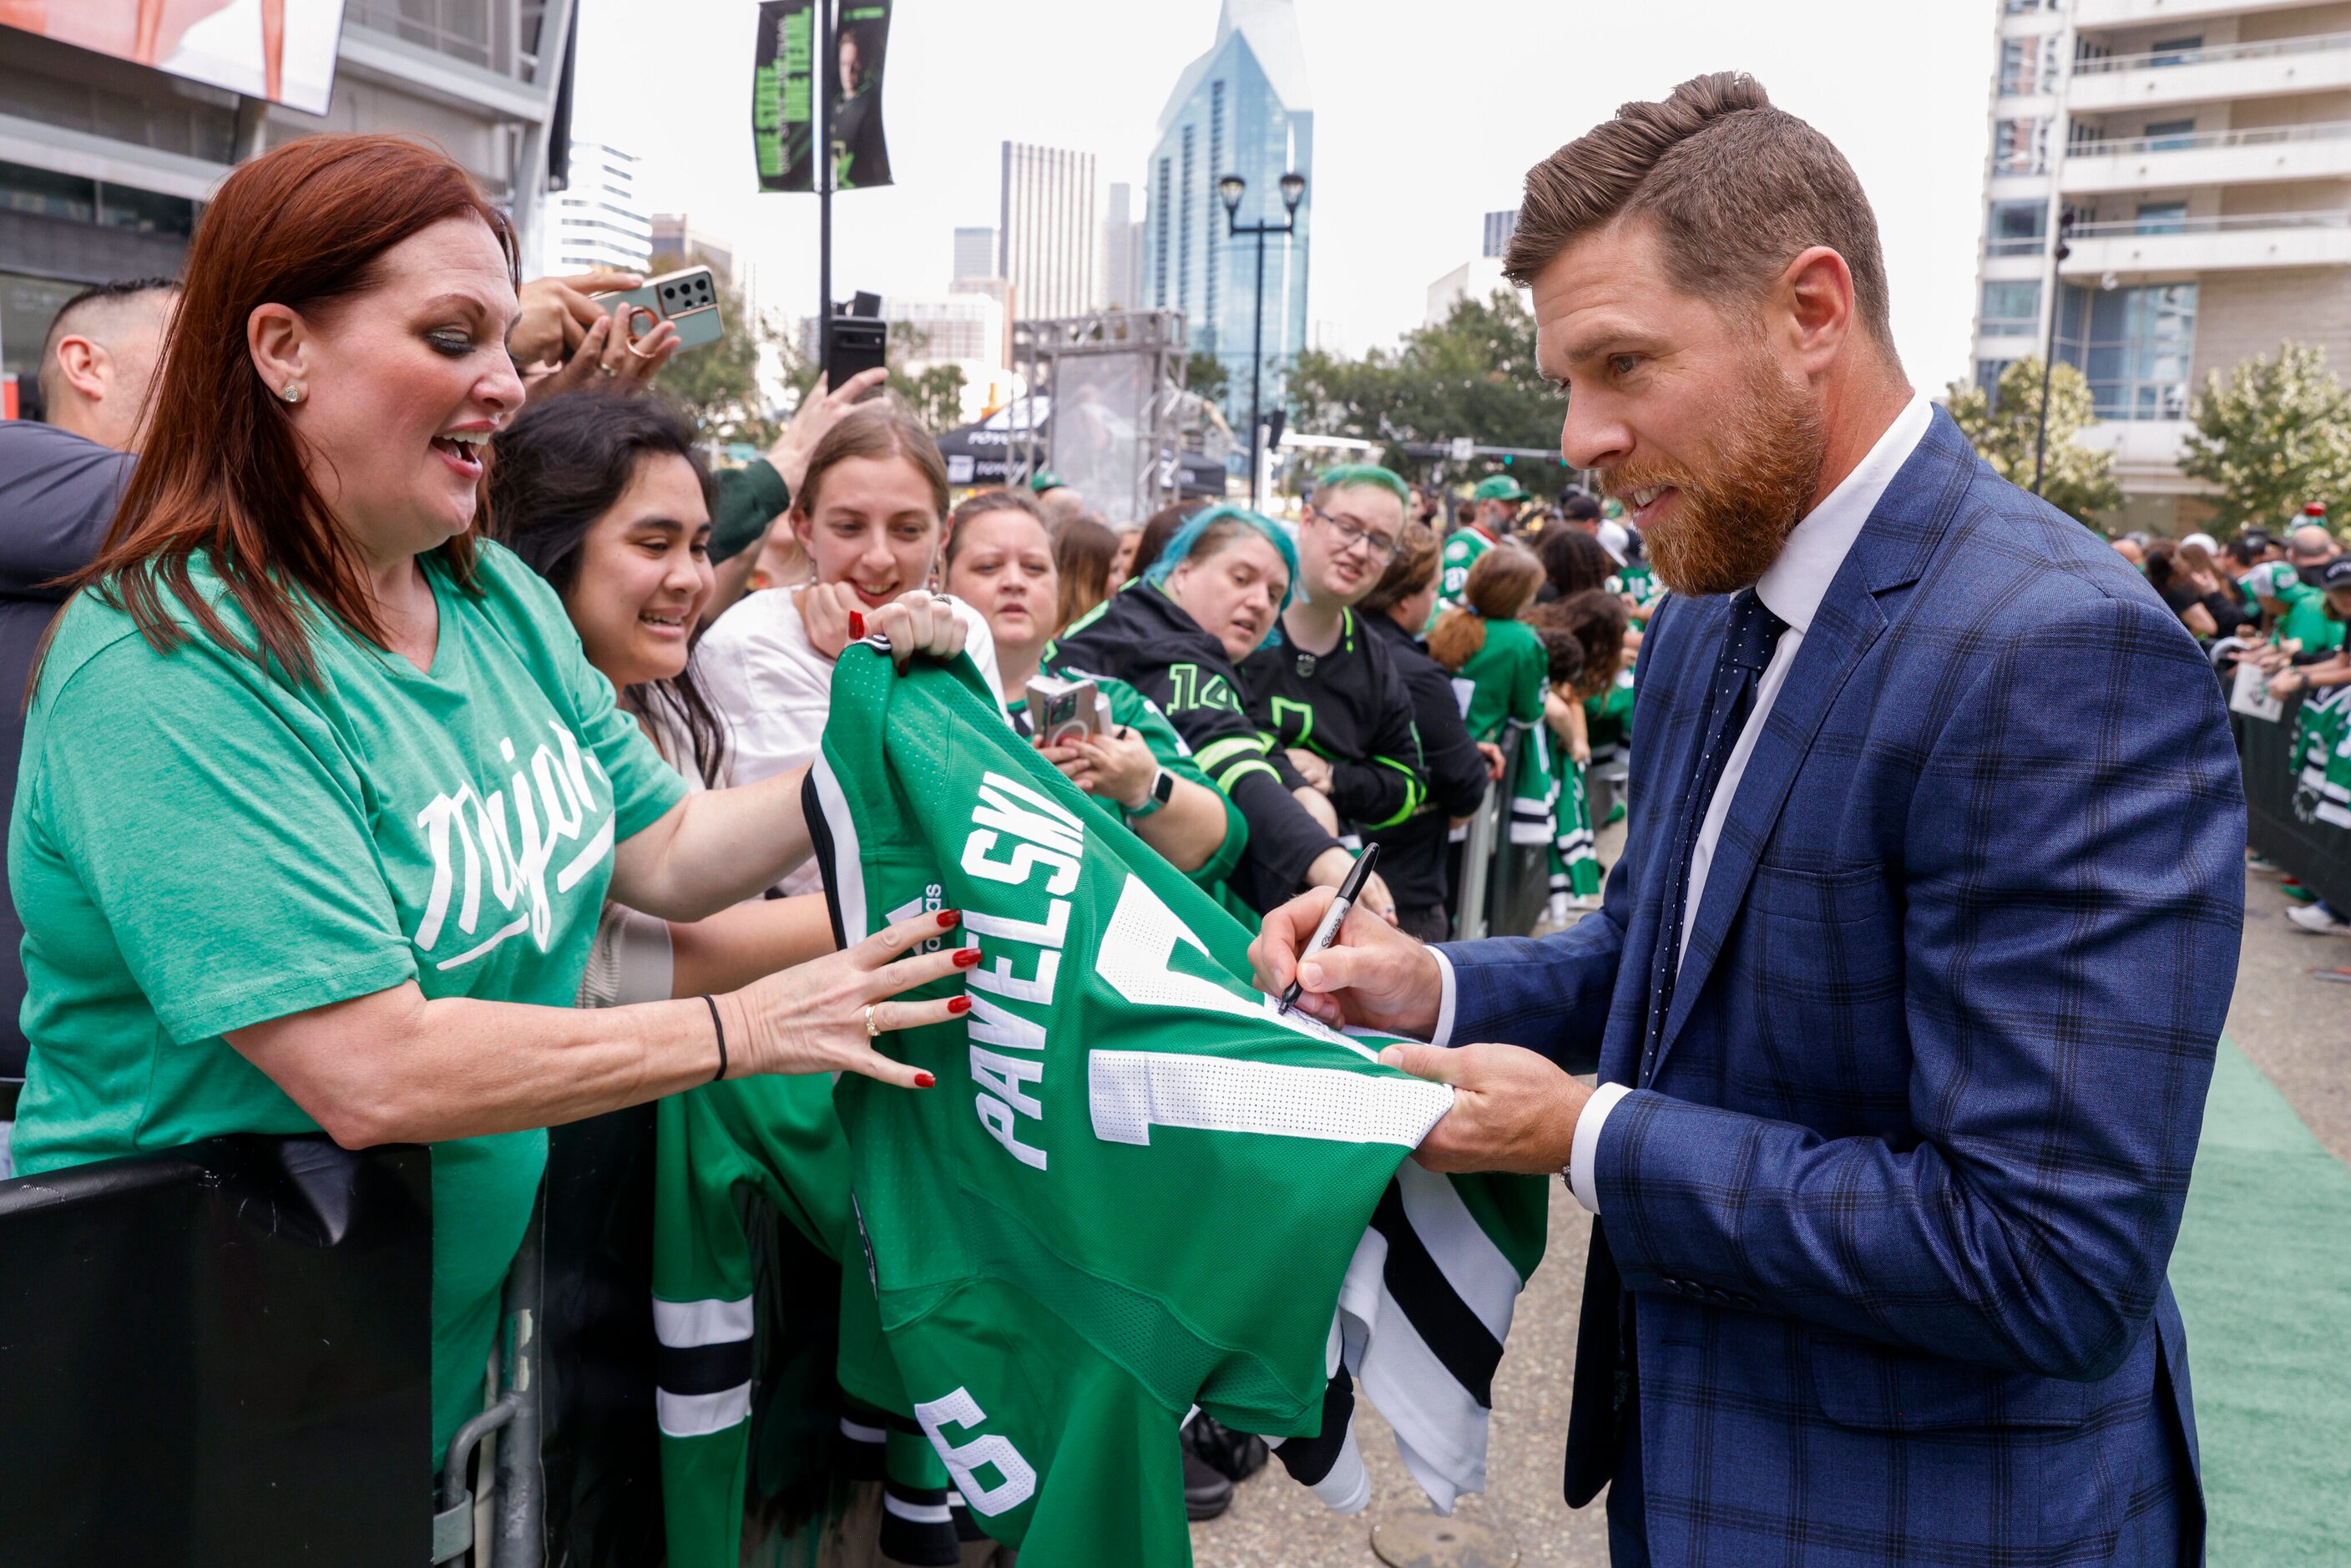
[1240,109]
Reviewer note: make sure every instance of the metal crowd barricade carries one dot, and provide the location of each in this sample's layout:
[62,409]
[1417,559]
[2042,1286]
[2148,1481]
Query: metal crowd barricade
[513,1535]
[2281,818]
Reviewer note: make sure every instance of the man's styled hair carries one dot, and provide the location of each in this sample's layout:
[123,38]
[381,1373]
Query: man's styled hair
[84,313]
[1735,189]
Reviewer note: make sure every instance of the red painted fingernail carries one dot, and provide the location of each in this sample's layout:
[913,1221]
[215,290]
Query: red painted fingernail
[965,957]
[958,1006]
[856,625]
[947,917]
[923,1081]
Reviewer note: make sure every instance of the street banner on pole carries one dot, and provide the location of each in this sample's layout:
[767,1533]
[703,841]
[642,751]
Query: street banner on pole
[784,84]
[783,97]
[860,155]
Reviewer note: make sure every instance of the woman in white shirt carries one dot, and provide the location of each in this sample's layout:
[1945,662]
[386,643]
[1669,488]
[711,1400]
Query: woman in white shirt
[871,515]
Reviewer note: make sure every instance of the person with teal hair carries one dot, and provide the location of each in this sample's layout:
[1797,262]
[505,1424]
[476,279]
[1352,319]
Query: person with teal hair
[1327,696]
[1178,635]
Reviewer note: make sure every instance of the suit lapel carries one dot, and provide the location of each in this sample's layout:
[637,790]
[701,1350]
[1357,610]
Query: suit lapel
[1891,550]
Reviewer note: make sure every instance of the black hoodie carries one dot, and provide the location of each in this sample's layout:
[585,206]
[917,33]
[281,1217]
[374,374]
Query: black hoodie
[1142,637]
[1412,854]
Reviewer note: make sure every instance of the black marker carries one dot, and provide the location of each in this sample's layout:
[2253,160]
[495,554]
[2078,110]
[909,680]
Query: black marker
[1350,886]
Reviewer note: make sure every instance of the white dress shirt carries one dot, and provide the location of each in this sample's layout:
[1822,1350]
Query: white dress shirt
[1793,590]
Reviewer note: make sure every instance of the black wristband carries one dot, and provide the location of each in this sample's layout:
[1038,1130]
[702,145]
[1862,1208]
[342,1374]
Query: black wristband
[722,1037]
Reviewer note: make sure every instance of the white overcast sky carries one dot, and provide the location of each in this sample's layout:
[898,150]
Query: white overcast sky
[1426,116]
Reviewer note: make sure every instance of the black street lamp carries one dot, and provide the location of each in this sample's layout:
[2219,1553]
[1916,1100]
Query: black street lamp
[2048,355]
[1231,189]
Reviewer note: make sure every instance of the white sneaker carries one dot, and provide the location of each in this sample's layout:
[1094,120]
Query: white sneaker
[2310,918]
[1587,901]
[1557,914]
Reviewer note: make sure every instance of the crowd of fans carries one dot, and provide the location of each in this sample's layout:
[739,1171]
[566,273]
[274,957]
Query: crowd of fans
[265,662]
[318,542]
[2271,609]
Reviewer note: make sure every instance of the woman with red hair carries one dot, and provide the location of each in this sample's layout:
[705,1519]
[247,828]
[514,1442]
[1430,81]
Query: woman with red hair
[321,798]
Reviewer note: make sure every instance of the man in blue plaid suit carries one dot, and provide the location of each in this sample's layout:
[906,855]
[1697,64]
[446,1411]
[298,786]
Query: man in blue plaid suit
[1905,991]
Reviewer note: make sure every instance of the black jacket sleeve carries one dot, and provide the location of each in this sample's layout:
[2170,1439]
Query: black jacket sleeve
[1387,785]
[58,493]
[1454,767]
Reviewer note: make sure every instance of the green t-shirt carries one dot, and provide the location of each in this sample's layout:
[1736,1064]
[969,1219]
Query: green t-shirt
[1508,677]
[200,845]
[2305,621]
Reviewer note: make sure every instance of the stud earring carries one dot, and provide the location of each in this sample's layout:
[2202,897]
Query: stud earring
[293,392]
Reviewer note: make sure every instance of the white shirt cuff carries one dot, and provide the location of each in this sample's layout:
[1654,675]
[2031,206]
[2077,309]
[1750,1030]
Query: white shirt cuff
[1586,1147]
[1443,1033]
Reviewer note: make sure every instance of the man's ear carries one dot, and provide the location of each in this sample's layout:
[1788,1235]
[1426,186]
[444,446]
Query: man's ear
[1816,294]
[279,341]
[86,366]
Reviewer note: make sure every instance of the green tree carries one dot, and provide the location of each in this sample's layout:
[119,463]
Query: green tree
[1472,374]
[1203,373]
[934,393]
[2277,433]
[2076,480]
[719,383]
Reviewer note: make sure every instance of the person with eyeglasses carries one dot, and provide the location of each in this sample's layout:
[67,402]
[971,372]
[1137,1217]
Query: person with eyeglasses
[1325,692]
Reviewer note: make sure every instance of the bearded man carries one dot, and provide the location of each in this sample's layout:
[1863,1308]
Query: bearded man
[1907,988]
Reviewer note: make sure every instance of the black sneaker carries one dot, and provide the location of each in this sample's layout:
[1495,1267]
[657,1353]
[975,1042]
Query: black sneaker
[1207,1493]
[1234,1454]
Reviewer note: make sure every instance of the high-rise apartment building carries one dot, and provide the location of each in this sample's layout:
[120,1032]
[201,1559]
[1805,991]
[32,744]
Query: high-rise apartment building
[2204,150]
[1121,251]
[1243,108]
[106,165]
[974,253]
[598,221]
[1500,228]
[1051,227]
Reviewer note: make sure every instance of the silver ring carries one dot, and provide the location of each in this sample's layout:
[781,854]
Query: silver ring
[871,1031]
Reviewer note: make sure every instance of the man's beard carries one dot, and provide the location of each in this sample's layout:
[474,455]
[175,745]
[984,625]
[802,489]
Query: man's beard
[1730,521]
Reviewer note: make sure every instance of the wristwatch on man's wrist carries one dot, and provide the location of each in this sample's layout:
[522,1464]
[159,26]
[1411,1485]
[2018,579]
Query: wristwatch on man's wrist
[1162,789]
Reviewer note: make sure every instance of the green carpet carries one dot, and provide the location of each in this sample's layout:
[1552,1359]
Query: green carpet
[2263,1272]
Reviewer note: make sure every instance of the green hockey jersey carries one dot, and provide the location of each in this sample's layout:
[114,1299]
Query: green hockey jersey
[2322,758]
[778,1137]
[1462,548]
[1137,1188]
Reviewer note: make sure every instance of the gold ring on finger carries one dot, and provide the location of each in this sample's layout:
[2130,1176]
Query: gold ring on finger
[871,1029]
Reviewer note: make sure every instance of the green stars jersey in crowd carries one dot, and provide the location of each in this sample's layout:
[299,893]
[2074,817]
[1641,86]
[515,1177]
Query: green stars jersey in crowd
[2322,758]
[1462,548]
[1137,1188]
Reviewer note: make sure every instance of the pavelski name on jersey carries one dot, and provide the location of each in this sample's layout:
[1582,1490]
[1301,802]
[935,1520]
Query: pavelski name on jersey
[1137,1188]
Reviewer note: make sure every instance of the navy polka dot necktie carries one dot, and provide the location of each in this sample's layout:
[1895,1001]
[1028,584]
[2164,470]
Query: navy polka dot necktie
[1747,643]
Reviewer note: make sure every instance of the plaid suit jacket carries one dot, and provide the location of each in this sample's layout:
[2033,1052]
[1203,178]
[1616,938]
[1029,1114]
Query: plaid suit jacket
[1896,1196]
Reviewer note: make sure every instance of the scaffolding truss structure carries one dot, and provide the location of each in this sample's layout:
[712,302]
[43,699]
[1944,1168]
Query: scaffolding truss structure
[1114,381]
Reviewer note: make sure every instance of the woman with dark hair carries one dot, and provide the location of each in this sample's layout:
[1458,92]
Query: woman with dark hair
[1162,525]
[1572,562]
[1412,852]
[1083,552]
[605,496]
[322,800]
[1177,637]
[870,515]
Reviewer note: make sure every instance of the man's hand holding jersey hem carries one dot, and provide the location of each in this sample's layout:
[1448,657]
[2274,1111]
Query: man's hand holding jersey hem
[1512,1110]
